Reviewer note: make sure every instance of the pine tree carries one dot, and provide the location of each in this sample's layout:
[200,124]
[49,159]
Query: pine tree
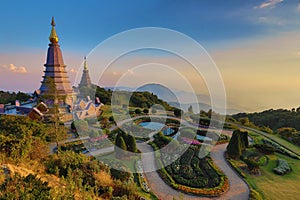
[234,148]
[120,147]
[131,145]
[244,136]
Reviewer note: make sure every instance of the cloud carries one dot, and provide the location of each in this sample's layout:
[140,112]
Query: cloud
[298,6]
[14,68]
[268,4]
[72,70]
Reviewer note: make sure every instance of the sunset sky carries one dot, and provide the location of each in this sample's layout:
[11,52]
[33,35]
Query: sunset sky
[254,43]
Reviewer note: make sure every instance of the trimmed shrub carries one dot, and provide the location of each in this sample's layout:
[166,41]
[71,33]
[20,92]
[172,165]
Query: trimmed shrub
[282,167]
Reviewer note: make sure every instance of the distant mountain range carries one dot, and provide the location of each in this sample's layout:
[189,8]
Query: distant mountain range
[186,98]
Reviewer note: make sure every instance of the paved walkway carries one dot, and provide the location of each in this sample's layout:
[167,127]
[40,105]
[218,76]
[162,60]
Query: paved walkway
[238,188]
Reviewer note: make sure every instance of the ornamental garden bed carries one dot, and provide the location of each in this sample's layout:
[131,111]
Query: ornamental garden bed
[189,173]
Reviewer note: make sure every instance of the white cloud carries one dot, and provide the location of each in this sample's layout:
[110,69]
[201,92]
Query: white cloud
[268,4]
[72,70]
[14,68]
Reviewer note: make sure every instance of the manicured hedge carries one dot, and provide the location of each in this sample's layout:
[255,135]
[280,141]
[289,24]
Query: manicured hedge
[197,184]
[281,149]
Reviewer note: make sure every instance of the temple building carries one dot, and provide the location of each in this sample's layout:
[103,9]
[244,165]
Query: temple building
[55,69]
[56,89]
[85,79]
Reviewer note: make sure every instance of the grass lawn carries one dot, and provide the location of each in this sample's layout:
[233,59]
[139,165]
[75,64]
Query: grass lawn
[272,186]
[130,162]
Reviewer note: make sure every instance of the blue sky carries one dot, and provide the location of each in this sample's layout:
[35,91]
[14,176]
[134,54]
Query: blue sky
[86,23]
[249,40]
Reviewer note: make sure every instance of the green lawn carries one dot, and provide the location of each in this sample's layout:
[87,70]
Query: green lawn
[272,186]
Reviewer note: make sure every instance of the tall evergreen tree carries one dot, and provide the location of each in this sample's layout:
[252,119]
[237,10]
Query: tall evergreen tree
[234,148]
[131,145]
[120,145]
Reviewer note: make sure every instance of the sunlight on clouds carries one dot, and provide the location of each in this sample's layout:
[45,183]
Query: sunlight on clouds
[14,68]
[268,4]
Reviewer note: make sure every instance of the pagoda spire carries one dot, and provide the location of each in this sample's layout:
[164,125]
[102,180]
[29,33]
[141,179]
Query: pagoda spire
[85,64]
[56,70]
[85,79]
[53,36]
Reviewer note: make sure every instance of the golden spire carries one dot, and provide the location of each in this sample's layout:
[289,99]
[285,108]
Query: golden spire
[53,36]
[85,64]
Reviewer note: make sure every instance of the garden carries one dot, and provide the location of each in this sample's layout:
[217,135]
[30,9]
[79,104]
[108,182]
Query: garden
[271,171]
[189,173]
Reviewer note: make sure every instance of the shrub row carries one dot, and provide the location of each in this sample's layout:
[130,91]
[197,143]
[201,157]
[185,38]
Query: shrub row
[281,149]
[265,148]
[187,157]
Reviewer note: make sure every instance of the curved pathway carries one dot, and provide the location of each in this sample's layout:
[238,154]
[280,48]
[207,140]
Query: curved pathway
[238,189]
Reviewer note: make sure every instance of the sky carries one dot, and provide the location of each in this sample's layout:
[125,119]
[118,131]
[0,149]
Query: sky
[254,43]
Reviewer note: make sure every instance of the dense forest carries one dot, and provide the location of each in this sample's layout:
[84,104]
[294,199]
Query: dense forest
[274,119]
[8,97]
[137,99]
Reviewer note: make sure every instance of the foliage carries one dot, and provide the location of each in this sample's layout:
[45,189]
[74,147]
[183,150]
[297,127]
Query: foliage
[29,187]
[265,148]
[21,138]
[234,148]
[282,167]
[290,134]
[252,164]
[274,119]
[137,99]
[254,195]
[120,147]
[281,149]
[178,112]
[7,97]
[189,173]
[235,167]
[131,143]
[137,111]
[146,111]
[80,127]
